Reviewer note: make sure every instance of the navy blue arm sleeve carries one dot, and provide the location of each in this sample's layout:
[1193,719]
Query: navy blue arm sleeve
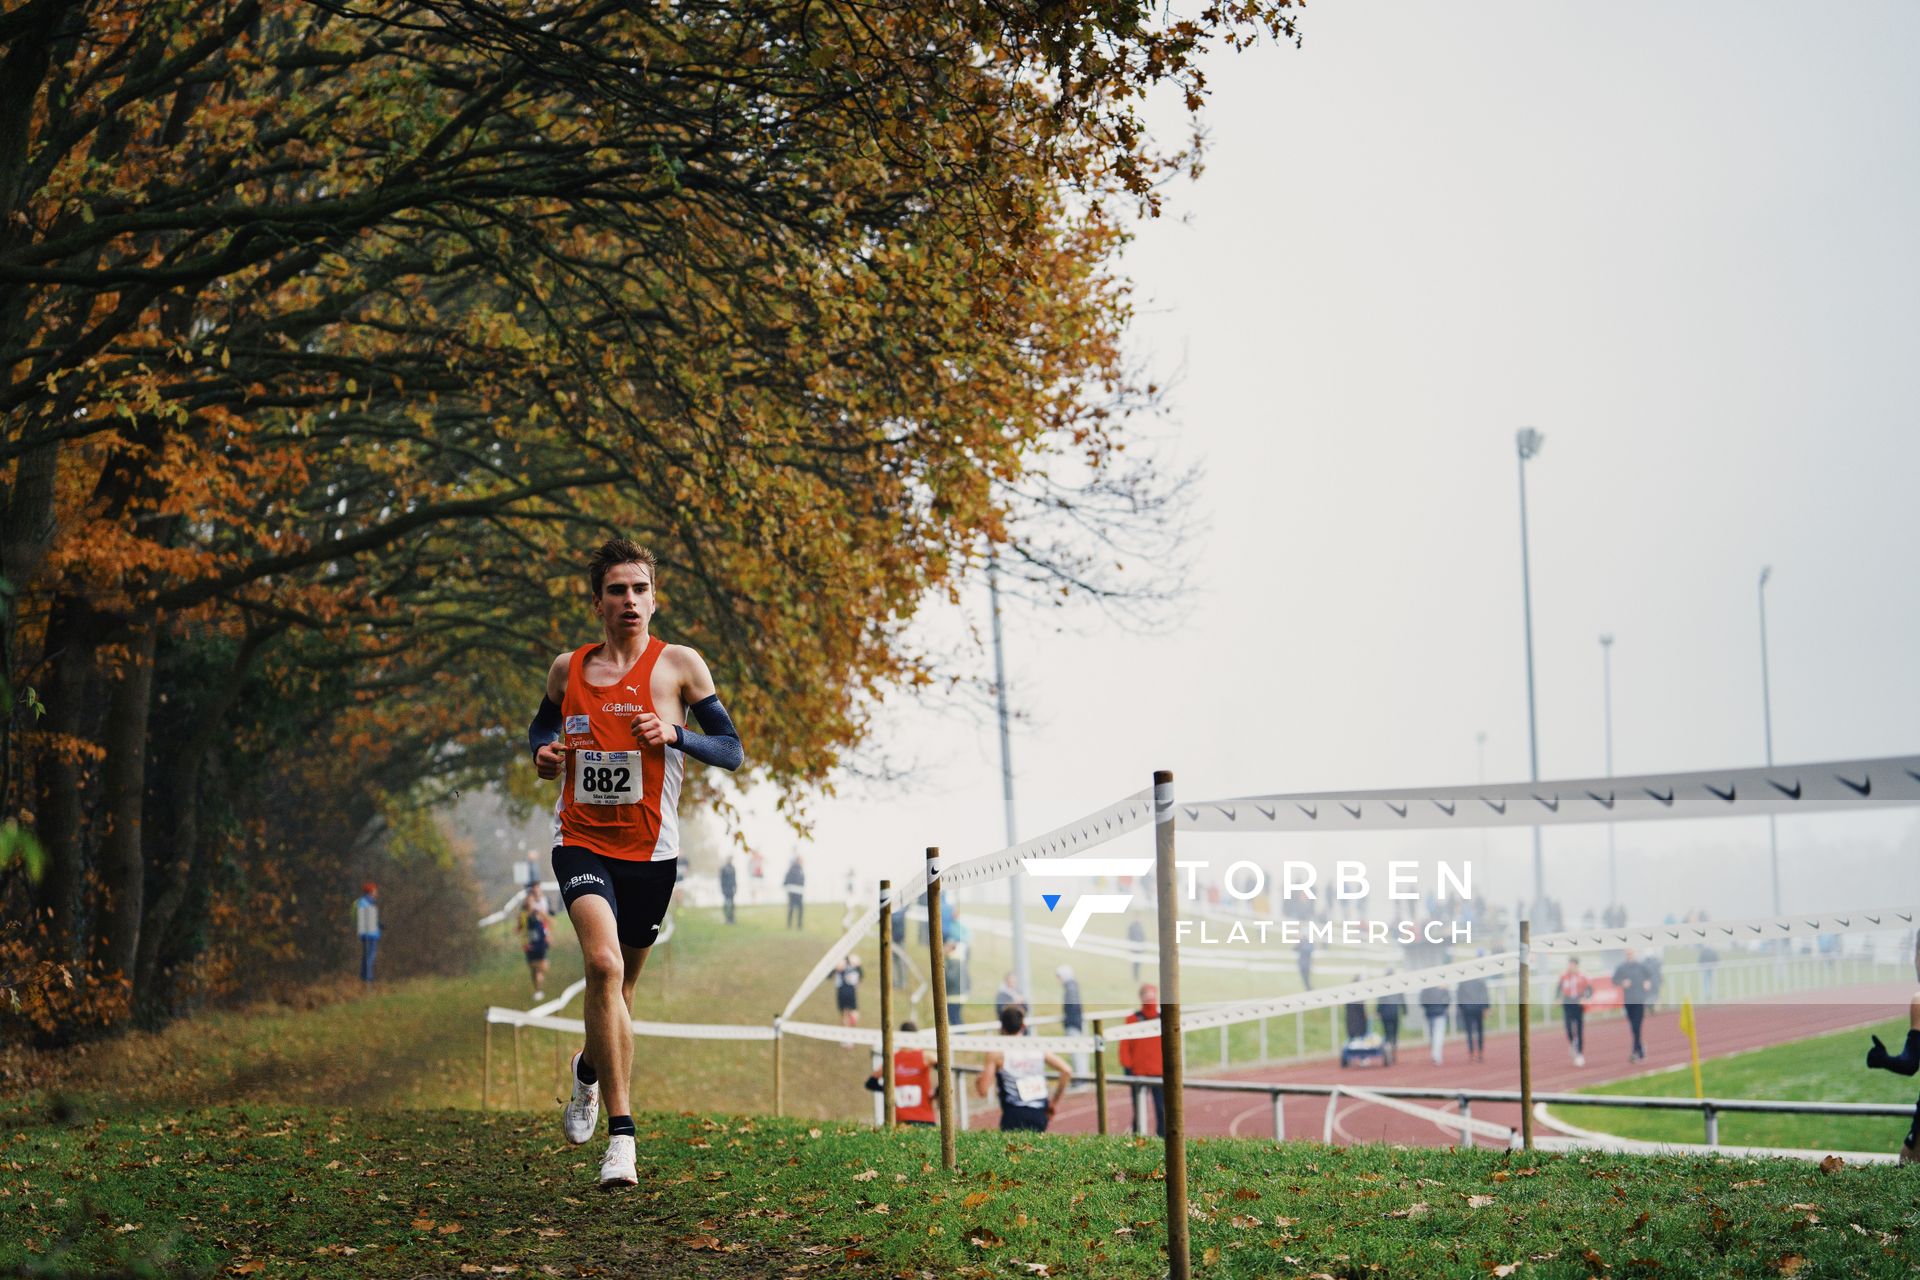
[721,746]
[545,727]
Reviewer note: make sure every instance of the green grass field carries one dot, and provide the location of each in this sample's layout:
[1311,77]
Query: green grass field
[1824,1069]
[336,1192]
[342,1137]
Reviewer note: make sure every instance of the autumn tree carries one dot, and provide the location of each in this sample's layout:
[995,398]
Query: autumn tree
[331,331]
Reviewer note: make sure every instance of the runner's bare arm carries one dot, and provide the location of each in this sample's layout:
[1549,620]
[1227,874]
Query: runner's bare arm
[1065,1070]
[719,745]
[987,1068]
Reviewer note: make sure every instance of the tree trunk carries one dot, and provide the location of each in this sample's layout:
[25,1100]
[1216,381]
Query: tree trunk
[182,860]
[61,773]
[124,777]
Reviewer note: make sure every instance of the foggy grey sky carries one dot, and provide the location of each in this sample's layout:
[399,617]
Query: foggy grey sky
[1680,242]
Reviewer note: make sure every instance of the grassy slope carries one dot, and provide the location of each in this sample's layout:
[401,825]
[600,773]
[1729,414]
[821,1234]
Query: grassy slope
[1823,1068]
[279,1192]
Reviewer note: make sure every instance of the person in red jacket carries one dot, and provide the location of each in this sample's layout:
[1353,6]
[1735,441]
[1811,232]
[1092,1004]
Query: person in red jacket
[1142,1057]
[916,1084]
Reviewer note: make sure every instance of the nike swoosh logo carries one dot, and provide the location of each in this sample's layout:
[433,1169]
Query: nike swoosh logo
[1397,808]
[1268,813]
[1232,816]
[1443,807]
[1313,813]
[1352,809]
[1193,815]
[1606,803]
[1864,788]
[1726,795]
[1497,808]
[1553,805]
[1791,793]
[1666,799]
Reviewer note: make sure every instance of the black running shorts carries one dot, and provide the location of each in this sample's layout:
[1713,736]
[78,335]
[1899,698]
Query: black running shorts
[638,892]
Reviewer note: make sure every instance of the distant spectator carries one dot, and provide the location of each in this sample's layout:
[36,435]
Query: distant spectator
[1636,987]
[1391,1009]
[1471,998]
[916,1083]
[366,915]
[899,948]
[1356,1015]
[957,988]
[1143,1057]
[1303,960]
[1575,991]
[1434,1003]
[1137,937]
[796,883]
[1073,1014]
[729,885]
[1008,996]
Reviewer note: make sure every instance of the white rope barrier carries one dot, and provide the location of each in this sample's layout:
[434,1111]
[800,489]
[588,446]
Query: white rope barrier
[668,1030]
[1881,783]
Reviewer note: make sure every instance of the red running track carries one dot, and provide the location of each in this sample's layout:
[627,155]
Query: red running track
[1723,1029]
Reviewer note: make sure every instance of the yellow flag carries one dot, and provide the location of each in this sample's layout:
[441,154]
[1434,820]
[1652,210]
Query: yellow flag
[1691,1031]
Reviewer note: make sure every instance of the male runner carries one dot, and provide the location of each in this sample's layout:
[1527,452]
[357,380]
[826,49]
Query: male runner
[614,721]
[1020,1075]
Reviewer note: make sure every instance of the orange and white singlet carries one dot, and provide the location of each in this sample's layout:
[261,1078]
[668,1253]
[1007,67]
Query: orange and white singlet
[619,796]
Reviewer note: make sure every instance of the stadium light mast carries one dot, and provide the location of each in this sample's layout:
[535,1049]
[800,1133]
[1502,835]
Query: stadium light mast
[1766,719]
[1016,883]
[1606,668]
[1528,442]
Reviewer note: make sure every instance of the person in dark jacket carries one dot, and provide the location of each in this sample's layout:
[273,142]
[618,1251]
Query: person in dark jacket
[899,949]
[729,885]
[1391,1009]
[1471,999]
[796,884]
[1904,1063]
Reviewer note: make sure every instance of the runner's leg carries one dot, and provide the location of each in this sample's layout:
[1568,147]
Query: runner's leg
[609,1025]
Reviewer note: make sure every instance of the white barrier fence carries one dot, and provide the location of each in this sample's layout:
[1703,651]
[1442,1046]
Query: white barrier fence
[1834,786]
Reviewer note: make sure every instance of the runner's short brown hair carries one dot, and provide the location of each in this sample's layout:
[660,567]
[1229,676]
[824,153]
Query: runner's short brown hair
[617,551]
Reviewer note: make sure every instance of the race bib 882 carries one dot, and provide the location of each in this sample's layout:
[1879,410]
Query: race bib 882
[606,777]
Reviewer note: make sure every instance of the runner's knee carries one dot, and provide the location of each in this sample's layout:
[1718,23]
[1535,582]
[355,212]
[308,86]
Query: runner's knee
[604,964]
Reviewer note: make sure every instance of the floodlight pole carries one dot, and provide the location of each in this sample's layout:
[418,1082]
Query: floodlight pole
[1172,1050]
[1016,883]
[1766,716]
[1606,666]
[1528,442]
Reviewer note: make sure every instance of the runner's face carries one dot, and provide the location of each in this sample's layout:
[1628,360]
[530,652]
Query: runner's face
[625,603]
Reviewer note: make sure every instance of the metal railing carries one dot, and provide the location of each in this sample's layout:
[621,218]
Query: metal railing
[1710,1108]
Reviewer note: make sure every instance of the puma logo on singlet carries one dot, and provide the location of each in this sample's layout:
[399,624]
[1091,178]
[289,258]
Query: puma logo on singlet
[631,688]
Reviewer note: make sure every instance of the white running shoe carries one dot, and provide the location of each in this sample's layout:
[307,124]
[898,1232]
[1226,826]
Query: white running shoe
[1579,1060]
[617,1169]
[583,1110]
